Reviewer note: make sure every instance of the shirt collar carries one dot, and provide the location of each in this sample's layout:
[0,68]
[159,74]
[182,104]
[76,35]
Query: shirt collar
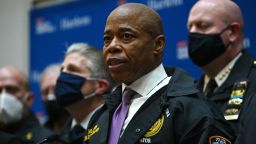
[146,83]
[221,77]
[84,123]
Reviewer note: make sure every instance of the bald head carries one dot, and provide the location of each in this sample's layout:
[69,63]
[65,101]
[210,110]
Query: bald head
[144,17]
[222,17]
[10,72]
[15,82]
[227,10]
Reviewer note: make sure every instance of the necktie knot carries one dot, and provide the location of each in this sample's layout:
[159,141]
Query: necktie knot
[76,132]
[127,95]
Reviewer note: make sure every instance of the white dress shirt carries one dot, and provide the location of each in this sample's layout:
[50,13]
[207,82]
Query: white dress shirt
[84,123]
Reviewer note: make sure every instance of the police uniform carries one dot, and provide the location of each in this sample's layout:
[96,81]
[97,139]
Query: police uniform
[174,114]
[247,122]
[231,95]
[64,135]
[6,138]
[72,132]
[29,130]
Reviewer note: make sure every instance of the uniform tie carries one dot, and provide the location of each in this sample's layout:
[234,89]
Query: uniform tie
[211,86]
[76,134]
[119,116]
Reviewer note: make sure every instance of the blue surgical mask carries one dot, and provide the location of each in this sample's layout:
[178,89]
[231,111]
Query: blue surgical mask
[68,89]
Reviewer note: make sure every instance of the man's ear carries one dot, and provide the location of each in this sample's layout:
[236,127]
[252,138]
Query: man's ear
[159,42]
[29,98]
[235,30]
[102,86]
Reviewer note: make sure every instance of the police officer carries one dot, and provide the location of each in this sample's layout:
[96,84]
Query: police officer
[16,118]
[216,46]
[153,104]
[80,87]
[247,122]
[57,115]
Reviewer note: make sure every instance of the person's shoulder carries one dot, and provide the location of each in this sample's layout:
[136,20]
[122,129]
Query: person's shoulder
[32,130]
[6,138]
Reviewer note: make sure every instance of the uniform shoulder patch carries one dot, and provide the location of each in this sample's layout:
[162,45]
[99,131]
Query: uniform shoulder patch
[218,140]
[156,127]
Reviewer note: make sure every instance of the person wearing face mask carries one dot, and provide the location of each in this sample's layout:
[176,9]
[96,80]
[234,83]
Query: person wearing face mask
[216,46]
[57,115]
[16,118]
[80,88]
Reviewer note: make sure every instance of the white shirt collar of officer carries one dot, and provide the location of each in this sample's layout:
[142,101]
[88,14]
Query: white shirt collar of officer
[221,77]
[84,123]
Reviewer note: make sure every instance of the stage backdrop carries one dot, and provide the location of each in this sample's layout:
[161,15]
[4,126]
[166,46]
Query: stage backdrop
[53,29]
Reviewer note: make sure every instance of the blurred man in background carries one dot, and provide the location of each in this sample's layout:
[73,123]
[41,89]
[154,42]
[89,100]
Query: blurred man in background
[216,46]
[80,87]
[16,118]
[57,115]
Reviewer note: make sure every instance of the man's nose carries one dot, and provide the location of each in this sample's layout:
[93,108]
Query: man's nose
[114,46]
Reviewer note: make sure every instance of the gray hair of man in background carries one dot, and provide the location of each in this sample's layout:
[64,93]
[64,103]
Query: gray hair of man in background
[94,61]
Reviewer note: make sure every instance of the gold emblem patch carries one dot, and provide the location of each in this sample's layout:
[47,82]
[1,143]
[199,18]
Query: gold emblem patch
[156,127]
[29,136]
[91,132]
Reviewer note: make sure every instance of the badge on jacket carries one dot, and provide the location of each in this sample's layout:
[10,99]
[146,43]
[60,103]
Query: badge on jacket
[218,140]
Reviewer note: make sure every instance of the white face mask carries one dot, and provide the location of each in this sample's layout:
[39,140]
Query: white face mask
[11,108]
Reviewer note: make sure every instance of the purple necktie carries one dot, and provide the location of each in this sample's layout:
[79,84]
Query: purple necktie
[119,116]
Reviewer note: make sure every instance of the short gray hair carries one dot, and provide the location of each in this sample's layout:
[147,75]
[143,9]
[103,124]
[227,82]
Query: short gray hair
[94,60]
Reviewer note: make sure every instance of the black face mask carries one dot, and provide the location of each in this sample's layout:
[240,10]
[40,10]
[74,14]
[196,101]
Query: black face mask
[68,89]
[204,48]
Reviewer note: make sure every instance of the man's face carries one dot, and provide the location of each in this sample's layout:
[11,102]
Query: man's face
[48,84]
[74,63]
[205,17]
[128,48]
[12,83]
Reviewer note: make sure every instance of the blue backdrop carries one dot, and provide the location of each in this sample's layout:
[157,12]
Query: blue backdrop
[54,28]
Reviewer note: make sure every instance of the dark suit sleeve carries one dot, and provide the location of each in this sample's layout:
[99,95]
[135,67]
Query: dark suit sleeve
[199,122]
